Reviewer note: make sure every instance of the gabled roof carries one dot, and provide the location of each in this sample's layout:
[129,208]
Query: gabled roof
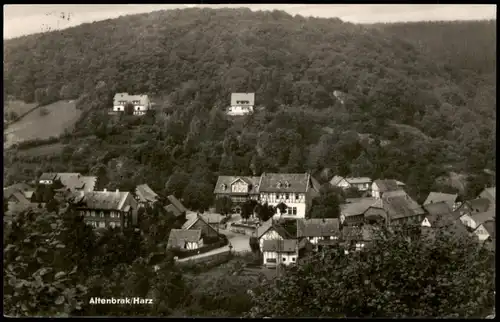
[280,246]
[177,204]
[277,182]
[387,185]
[188,224]
[484,216]
[491,191]
[171,208]
[179,237]
[253,183]
[89,182]
[19,196]
[401,207]
[440,214]
[352,180]
[358,207]
[434,197]
[17,187]
[490,227]
[143,99]
[235,97]
[479,204]
[318,227]
[145,194]
[270,224]
[336,180]
[105,200]
[48,176]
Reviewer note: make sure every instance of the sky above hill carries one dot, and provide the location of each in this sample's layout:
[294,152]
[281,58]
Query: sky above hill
[28,19]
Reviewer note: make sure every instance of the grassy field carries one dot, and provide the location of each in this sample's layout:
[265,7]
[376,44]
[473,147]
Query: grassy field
[61,115]
[43,150]
[18,107]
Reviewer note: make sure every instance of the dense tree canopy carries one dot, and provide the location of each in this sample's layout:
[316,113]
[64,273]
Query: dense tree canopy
[395,277]
[401,110]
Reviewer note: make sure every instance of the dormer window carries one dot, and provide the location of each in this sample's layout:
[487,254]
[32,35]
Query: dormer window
[287,184]
[223,186]
[278,185]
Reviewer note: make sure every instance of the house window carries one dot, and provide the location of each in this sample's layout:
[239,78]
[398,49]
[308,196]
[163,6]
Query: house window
[289,210]
[287,196]
[112,224]
[293,259]
[284,259]
[102,224]
[101,214]
[118,108]
[294,210]
[277,196]
[117,224]
[112,215]
[118,215]
[296,196]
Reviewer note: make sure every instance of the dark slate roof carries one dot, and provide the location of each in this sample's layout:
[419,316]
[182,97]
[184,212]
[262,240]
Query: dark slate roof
[270,224]
[285,182]
[484,216]
[401,207]
[17,187]
[318,227]
[479,204]
[434,197]
[226,181]
[280,246]
[177,204]
[387,185]
[145,194]
[356,207]
[20,197]
[490,227]
[106,200]
[171,208]
[437,208]
[48,176]
[190,222]
[179,237]
[440,214]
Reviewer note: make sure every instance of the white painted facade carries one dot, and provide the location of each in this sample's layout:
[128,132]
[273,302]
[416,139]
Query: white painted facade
[141,103]
[271,259]
[271,234]
[468,221]
[239,110]
[193,245]
[296,203]
[46,181]
[239,186]
[426,223]
[375,191]
[481,233]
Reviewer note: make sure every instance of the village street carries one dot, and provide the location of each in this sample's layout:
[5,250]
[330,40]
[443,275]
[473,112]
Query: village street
[240,243]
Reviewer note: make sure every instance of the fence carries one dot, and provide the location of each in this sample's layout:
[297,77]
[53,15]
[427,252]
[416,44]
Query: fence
[243,229]
[206,262]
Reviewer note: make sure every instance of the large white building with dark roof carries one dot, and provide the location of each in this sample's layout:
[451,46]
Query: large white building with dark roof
[295,190]
[141,103]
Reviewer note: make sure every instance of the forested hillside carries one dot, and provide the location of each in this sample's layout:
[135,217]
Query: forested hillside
[398,89]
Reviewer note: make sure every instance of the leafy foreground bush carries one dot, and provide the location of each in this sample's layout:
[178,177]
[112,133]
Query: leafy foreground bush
[446,276]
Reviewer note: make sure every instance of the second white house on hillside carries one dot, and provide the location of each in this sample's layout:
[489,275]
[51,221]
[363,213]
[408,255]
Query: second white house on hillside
[361,183]
[241,103]
[141,103]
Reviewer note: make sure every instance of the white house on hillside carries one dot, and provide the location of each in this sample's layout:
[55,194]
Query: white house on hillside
[141,103]
[241,103]
[380,186]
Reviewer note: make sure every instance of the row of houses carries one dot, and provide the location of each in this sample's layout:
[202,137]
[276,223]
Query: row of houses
[241,104]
